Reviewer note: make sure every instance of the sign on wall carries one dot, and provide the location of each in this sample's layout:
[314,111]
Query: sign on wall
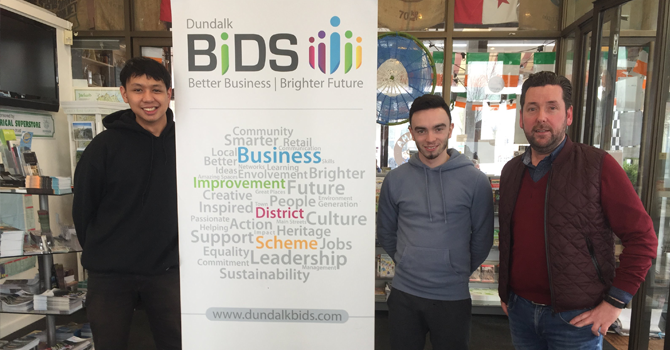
[275,155]
[41,125]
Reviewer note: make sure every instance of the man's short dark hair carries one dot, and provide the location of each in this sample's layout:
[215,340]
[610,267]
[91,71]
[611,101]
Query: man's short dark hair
[139,66]
[540,79]
[428,102]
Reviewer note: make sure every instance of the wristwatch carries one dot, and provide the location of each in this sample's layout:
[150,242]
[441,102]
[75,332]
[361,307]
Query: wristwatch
[614,302]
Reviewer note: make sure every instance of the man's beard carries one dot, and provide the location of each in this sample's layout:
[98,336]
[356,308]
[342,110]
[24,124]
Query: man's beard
[435,153]
[555,139]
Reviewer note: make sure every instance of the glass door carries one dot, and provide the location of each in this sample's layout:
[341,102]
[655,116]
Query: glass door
[605,78]
[617,96]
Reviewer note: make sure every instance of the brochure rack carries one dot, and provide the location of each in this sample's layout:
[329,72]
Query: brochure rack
[45,262]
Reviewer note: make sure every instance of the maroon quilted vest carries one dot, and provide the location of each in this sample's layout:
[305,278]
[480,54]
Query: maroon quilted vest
[579,241]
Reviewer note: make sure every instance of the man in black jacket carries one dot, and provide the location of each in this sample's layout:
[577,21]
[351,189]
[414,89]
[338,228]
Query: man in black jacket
[125,213]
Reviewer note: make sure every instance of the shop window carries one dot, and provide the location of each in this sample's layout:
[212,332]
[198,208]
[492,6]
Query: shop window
[402,15]
[569,56]
[151,15]
[98,62]
[486,84]
[87,14]
[507,15]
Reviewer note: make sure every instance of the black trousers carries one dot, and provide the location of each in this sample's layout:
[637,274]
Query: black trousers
[412,317]
[112,299]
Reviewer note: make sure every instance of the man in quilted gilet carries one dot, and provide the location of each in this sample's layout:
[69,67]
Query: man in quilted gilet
[561,203]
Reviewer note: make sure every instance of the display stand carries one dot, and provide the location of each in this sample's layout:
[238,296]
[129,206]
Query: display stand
[45,263]
[92,111]
[489,304]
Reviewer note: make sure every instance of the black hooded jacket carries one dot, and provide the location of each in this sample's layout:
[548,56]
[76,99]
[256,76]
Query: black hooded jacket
[125,198]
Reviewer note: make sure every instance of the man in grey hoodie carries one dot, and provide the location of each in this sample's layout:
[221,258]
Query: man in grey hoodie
[435,219]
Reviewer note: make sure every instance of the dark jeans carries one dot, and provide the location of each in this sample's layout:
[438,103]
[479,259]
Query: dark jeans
[111,301]
[412,317]
[535,327]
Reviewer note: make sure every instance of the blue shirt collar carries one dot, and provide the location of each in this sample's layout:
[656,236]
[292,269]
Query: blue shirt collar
[542,168]
[527,157]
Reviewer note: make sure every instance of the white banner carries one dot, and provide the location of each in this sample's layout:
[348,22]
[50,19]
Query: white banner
[276,140]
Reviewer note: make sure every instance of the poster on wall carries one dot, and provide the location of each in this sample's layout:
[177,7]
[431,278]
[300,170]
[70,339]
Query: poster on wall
[275,156]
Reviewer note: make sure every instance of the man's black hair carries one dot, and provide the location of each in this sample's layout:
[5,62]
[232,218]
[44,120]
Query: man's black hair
[428,102]
[540,79]
[139,66]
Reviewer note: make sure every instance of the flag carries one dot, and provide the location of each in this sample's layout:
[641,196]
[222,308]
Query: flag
[485,11]
[477,105]
[477,72]
[438,57]
[494,106]
[642,61]
[510,69]
[544,61]
[461,100]
[166,11]
[511,101]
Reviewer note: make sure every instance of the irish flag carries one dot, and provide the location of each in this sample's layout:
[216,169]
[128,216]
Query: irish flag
[510,70]
[641,65]
[485,11]
[642,61]
[438,57]
[544,61]
[461,100]
[476,74]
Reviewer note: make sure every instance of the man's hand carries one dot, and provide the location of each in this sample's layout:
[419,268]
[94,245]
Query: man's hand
[504,306]
[601,318]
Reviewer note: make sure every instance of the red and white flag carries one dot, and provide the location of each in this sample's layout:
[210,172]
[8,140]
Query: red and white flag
[485,11]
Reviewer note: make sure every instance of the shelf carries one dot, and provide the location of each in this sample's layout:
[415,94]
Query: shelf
[86,59]
[43,253]
[24,190]
[479,284]
[476,302]
[381,306]
[44,312]
[40,245]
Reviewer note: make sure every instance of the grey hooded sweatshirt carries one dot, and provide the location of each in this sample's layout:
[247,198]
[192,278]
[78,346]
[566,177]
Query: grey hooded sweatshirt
[437,225]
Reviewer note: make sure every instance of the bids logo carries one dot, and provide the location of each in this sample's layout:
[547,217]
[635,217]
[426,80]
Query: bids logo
[335,46]
[318,52]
